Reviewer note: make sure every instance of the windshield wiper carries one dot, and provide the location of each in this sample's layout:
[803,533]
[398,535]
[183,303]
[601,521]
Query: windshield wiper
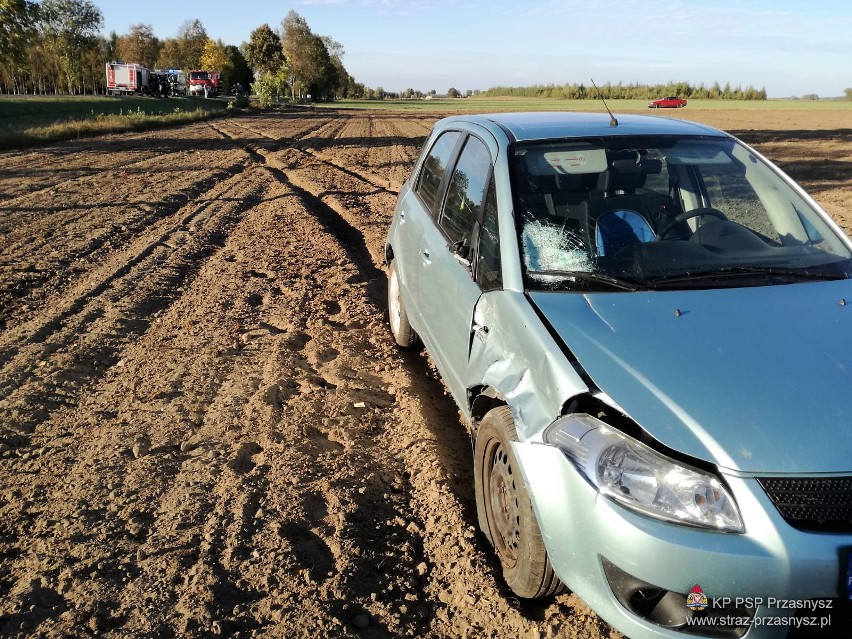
[587,276]
[772,272]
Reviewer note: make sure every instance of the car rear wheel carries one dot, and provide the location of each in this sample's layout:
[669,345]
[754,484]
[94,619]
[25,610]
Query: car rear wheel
[403,334]
[505,511]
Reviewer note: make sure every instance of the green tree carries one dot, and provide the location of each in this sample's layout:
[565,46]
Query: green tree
[70,28]
[17,23]
[17,29]
[111,46]
[214,58]
[139,45]
[452,92]
[311,67]
[191,38]
[43,70]
[295,42]
[92,80]
[848,93]
[339,77]
[270,88]
[263,51]
[354,90]
[171,55]
[239,68]
[333,47]
[324,77]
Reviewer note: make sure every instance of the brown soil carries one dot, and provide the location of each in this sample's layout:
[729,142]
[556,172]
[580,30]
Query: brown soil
[205,428]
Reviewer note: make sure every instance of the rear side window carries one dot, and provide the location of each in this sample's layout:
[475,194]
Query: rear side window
[429,185]
[466,191]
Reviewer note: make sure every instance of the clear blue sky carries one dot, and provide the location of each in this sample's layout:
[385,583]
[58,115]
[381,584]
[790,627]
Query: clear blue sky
[788,47]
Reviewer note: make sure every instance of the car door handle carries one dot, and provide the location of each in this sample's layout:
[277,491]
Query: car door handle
[480,331]
[425,255]
[402,216]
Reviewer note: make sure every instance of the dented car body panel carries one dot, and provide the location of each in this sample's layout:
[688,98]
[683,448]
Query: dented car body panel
[663,313]
[521,361]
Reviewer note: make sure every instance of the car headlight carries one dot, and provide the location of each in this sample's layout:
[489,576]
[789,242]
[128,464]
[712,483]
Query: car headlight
[642,479]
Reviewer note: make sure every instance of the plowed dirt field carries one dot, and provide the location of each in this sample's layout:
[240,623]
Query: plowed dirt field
[205,428]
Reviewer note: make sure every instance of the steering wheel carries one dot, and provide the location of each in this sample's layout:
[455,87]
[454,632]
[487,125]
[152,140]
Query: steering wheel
[688,215]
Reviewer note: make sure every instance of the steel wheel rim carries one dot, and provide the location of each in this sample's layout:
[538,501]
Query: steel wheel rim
[503,511]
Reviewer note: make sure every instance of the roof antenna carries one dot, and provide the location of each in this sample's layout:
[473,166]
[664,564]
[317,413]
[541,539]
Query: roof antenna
[612,120]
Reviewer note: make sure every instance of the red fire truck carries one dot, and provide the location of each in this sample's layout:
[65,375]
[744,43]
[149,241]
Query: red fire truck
[204,82]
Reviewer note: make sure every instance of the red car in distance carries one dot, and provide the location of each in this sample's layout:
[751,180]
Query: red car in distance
[670,102]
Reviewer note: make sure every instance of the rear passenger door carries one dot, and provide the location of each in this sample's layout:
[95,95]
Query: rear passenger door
[452,262]
[419,213]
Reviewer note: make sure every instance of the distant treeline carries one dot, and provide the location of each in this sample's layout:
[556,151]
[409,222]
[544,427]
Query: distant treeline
[628,91]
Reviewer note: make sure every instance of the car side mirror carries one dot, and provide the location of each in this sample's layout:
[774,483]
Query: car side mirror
[461,251]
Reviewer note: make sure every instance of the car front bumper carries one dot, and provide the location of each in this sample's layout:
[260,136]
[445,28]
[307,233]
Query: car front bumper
[771,570]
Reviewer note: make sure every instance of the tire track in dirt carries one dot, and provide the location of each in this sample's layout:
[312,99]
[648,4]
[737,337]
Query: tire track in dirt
[312,147]
[133,404]
[30,174]
[362,146]
[336,224]
[426,435]
[46,362]
[348,206]
[287,127]
[27,266]
[332,215]
[256,458]
[330,540]
[33,263]
[305,543]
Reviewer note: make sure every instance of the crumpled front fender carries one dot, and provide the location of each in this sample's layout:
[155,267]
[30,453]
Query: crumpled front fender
[517,357]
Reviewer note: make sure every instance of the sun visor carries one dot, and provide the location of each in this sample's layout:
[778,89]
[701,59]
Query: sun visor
[566,161]
[697,153]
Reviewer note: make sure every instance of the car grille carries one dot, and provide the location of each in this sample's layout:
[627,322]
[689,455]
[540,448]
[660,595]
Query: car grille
[819,504]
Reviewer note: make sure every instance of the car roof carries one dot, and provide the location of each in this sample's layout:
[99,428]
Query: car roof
[539,125]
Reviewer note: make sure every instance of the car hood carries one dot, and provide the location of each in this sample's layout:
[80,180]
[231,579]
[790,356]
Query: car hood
[757,380]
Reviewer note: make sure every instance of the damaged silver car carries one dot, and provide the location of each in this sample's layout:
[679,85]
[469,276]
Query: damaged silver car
[646,325]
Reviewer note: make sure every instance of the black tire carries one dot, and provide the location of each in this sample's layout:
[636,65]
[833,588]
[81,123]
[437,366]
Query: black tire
[505,512]
[403,334]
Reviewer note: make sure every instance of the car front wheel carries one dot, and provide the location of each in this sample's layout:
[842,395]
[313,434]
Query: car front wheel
[403,334]
[505,511]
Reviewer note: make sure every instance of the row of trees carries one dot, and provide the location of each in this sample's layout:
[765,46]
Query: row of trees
[634,91]
[50,47]
[298,62]
[55,46]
